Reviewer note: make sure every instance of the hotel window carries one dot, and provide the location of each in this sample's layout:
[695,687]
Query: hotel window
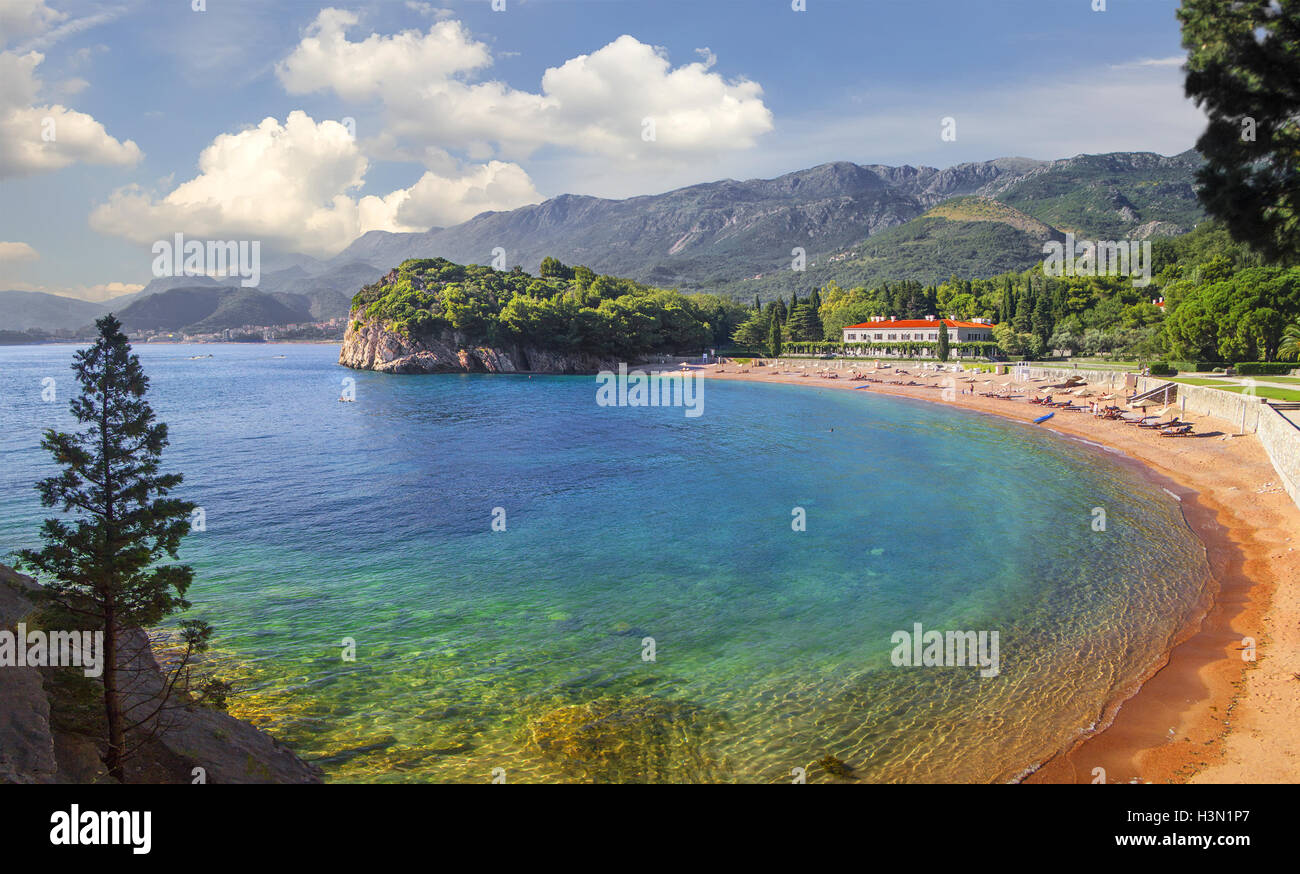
[880,336]
[893,336]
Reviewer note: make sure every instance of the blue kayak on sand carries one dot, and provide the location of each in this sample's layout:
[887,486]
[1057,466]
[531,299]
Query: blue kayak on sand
[1041,419]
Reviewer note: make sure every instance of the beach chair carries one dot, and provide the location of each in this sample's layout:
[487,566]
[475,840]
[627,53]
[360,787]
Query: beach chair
[1183,430]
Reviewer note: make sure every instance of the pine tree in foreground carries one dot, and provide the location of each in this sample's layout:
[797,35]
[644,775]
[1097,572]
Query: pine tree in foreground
[101,569]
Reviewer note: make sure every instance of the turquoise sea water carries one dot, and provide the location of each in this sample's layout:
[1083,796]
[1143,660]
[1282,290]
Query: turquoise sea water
[523,649]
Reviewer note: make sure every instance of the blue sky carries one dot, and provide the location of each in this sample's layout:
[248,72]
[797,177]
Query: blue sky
[230,123]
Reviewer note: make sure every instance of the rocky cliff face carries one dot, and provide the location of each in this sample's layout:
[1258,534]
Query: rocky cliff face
[26,740]
[369,345]
[36,747]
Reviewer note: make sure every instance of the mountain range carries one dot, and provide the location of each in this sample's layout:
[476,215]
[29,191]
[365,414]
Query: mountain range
[207,309]
[856,224]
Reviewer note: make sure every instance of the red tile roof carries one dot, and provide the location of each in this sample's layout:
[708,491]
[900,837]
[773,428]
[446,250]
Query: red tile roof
[918,323]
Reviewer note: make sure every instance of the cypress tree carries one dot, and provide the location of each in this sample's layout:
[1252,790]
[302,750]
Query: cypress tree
[1023,319]
[774,339]
[943,341]
[1042,321]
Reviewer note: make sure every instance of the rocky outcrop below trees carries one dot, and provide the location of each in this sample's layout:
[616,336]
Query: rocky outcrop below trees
[51,721]
[371,345]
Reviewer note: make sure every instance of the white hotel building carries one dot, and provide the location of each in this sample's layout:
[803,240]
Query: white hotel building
[884,331]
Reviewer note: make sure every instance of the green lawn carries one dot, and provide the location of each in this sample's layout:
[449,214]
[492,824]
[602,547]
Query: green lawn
[1263,391]
[1275,394]
[1285,380]
[1196,380]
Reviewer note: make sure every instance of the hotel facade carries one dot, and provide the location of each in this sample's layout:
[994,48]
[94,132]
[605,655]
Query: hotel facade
[884,332]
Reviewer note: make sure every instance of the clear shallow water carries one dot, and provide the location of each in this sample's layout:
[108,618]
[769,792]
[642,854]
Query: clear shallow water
[522,649]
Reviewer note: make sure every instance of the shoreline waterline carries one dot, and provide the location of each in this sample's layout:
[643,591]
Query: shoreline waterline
[1175,723]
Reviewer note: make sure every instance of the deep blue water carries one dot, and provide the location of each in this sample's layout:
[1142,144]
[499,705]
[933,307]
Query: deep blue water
[523,649]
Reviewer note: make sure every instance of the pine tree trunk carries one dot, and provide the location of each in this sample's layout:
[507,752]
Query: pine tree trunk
[113,702]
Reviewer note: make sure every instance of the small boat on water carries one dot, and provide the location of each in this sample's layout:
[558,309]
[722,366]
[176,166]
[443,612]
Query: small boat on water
[1042,419]
[199,357]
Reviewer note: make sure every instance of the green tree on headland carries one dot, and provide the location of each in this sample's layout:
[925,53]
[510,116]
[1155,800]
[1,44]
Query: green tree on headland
[774,339]
[609,316]
[101,570]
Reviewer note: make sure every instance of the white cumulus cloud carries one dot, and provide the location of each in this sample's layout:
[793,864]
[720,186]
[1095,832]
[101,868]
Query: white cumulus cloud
[17,252]
[294,186]
[448,200]
[35,136]
[599,103]
[378,64]
[20,19]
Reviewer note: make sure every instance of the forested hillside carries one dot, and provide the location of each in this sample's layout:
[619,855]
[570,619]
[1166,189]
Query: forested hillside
[1219,304]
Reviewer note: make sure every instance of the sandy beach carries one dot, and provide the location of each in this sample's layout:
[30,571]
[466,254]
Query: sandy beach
[1205,714]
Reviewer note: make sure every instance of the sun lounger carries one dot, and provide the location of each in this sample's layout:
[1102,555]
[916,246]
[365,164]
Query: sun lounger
[1184,430]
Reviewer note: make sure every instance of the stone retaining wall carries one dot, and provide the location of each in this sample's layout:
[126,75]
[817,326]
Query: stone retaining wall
[1281,440]
[1239,414]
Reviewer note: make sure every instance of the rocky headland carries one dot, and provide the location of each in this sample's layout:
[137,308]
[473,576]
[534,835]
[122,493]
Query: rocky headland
[374,345]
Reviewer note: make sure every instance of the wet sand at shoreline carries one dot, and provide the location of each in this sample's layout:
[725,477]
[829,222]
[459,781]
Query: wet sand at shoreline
[1205,714]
